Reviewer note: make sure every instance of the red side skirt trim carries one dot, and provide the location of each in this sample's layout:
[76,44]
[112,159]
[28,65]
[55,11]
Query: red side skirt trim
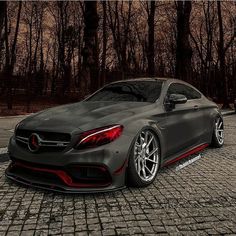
[188,153]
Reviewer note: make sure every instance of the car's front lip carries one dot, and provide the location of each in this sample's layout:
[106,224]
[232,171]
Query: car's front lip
[64,175]
[66,184]
[59,188]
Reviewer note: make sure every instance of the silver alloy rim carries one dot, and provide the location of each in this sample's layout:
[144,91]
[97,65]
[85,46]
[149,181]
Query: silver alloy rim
[219,131]
[146,155]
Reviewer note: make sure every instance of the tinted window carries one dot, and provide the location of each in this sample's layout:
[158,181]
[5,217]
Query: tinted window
[189,92]
[133,91]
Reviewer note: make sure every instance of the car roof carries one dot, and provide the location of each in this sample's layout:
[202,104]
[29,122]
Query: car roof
[167,81]
[150,79]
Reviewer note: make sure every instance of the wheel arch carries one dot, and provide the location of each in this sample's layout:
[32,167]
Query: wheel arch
[215,115]
[214,140]
[135,129]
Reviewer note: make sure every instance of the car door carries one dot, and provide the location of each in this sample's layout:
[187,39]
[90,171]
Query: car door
[184,123]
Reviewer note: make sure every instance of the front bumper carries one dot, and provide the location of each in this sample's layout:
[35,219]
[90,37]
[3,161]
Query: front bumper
[97,170]
[63,183]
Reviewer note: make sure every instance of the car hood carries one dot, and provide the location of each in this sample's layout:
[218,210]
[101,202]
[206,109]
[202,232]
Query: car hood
[82,116]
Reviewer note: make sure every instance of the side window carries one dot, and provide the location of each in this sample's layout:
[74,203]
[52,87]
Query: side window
[189,92]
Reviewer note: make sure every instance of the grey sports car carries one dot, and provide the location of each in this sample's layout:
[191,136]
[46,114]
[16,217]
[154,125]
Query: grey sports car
[122,134]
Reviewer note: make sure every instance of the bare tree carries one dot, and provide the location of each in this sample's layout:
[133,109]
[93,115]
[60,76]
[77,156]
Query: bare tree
[119,18]
[151,8]
[66,42]
[183,48]
[11,55]
[3,7]
[104,45]
[90,67]
[222,48]
[203,40]
[50,45]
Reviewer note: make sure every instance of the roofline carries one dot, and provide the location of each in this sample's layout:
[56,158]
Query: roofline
[169,80]
[166,80]
[143,79]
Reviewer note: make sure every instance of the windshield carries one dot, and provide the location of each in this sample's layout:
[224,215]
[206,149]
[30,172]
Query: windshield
[132,91]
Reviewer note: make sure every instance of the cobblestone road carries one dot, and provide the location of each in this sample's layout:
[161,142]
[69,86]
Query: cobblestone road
[199,199]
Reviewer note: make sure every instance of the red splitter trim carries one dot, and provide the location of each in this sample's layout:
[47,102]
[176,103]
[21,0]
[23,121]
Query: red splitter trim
[121,168]
[63,176]
[190,152]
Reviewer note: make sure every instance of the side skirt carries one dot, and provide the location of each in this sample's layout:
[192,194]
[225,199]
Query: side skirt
[186,154]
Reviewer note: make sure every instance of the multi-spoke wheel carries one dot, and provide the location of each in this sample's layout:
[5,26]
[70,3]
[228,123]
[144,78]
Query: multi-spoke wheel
[144,159]
[218,134]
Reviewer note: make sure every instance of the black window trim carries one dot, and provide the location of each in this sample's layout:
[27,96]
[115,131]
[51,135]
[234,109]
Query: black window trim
[183,94]
[162,86]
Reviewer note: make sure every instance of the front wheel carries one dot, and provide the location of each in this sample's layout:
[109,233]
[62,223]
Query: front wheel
[144,159]
[218,133]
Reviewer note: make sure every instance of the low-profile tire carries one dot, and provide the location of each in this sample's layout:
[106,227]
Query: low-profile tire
[144,160]
[218,133]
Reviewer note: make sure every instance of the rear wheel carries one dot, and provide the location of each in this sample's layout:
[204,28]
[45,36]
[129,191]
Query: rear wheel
[218,133]
[144,160]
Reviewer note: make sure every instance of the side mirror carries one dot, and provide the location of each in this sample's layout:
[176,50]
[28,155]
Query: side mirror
[177,98]
[174,99]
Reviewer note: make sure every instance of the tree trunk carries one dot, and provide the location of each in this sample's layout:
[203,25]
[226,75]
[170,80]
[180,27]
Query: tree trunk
[13,49]
[151,27]
[104,44]
[3,7]
[90,67]
[10,62]
[223,85]
[183,69]
[7,76]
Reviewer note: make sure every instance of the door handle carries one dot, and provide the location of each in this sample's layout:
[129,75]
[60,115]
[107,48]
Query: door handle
[196,107]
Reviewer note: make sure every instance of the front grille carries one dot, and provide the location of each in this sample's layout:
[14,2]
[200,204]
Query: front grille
[49,141]
[44,135]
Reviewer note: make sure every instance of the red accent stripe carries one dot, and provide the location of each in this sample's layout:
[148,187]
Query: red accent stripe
[188,153]
[120,169]
[63,176]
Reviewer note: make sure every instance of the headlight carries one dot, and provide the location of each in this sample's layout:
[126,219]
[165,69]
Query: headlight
[99,136]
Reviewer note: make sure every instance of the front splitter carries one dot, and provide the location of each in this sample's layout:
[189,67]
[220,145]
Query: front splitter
[57,188]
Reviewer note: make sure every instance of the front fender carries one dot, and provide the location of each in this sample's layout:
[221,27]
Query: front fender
[133,129]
